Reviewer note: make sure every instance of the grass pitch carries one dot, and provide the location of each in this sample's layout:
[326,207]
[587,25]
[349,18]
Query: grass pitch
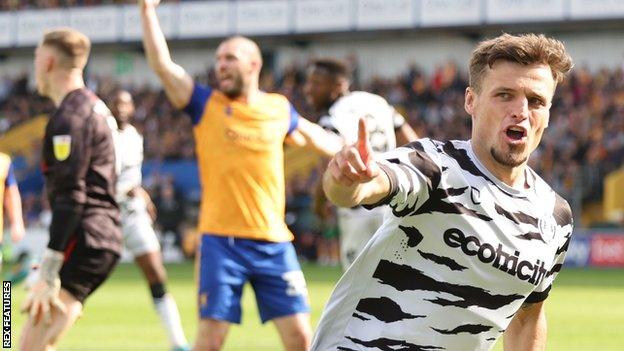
[585,312]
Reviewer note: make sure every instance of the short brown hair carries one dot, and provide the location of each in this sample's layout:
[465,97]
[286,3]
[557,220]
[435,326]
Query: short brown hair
[525,49]
[73,46]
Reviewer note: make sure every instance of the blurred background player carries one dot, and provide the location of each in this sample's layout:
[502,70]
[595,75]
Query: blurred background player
[10,196]
[79,168]
[137,212]
[239,134]
[170,213]
[327,91]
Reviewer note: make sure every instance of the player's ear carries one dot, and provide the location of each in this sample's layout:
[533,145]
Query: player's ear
[335,93]
[256,65]
[50,62]
[339,87]
[343,84]
[469,100]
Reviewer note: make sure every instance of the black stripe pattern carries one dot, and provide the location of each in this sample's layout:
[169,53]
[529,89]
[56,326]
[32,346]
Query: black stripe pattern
[562,211]
[435,203]
[384,309]
[441,260]
[465,328]
[531,236]
[404,277]
[414,237]
[386,344]
[516,217]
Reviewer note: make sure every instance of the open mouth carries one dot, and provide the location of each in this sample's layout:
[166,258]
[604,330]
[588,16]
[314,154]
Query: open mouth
[223,76]
[515,133]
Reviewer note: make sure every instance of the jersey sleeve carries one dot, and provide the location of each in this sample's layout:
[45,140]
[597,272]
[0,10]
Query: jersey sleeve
[293,119]
[563,218]
[327,123]
[397,119]
[69,177]
[10,179]
[196,106]
[413,172]
[130,175]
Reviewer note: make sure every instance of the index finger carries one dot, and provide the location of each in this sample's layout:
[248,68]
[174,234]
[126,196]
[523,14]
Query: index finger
[45,312]
[363,145]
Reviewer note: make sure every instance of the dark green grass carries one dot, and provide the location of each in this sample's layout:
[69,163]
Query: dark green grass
[585,312]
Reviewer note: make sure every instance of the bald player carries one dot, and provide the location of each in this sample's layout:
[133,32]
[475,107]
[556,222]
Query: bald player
[239,133]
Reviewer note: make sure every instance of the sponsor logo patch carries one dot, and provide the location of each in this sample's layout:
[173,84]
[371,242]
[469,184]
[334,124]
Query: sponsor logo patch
[497,256]
[61,146]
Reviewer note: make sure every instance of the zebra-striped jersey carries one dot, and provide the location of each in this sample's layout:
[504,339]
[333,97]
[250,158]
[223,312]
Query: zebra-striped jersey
[456,260]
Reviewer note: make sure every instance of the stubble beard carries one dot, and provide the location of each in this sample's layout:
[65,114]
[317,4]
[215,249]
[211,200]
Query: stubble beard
[236,90]
[514,157]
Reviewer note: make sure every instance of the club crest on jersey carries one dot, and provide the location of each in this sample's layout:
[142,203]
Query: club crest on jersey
[547,227]
[228,111]
[61,146]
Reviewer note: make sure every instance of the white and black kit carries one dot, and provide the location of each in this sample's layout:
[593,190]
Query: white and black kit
[136,224]
[453,263]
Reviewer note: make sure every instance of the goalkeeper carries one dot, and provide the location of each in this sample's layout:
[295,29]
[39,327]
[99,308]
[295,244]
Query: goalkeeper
[79,167]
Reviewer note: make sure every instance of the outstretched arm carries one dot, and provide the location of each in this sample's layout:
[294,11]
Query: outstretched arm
[527,330]
[177,83]
[312,136]
[353,177]
[403,131]
[405,134]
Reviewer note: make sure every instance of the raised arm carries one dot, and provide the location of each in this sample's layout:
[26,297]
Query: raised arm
[405,134]
[403,131]
[352,177]
[177,83]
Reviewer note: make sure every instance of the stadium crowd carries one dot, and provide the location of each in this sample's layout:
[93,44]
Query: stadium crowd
[584,141]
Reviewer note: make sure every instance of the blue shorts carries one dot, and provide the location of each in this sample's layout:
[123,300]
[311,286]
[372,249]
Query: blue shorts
[227,263]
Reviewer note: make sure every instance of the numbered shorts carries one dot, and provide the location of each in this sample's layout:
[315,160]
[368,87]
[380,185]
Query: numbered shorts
[138,233]
[227,263]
